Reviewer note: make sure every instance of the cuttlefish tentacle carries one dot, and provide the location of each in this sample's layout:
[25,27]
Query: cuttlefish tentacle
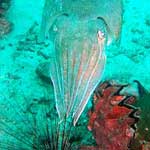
[96,72]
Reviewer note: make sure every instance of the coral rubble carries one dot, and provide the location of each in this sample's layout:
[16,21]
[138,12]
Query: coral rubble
[5,25]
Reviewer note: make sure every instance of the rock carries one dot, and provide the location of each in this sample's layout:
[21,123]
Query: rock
[44,54]
[5,27]
[43,71]
[4,5]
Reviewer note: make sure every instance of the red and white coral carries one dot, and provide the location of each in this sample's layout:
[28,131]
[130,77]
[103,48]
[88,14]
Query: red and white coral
[112,119]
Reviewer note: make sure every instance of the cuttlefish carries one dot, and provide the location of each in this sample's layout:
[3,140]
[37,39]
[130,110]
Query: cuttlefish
[79,30]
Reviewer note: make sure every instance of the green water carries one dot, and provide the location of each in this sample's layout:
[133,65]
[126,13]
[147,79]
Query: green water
[27,101]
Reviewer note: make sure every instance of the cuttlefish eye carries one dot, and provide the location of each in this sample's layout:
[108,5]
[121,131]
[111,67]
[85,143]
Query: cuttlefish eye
[100,35]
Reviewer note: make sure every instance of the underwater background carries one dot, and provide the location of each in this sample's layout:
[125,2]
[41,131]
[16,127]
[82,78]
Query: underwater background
[25,86]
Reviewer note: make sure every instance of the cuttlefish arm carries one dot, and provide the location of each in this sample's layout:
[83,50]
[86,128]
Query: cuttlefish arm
[93,80]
